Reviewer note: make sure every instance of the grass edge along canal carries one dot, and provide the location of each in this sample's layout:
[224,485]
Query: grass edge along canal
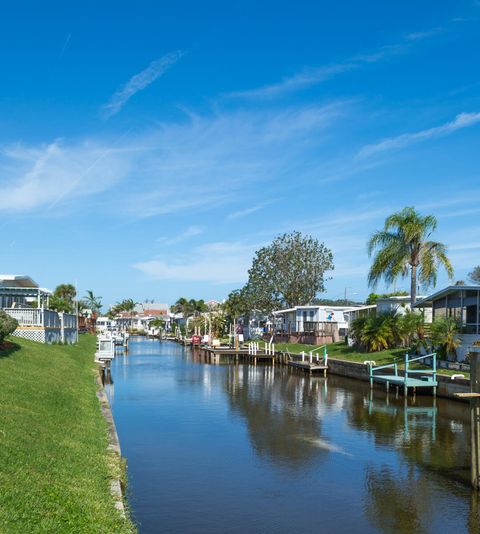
[55,465]
[341,351]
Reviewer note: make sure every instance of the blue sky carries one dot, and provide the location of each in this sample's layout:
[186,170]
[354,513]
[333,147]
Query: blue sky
[147,149]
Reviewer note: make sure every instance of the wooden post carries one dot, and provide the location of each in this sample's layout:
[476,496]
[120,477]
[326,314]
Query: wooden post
[475,420]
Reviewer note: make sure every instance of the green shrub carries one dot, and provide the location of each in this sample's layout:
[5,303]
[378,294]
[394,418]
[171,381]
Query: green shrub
[7,325]
[445,337]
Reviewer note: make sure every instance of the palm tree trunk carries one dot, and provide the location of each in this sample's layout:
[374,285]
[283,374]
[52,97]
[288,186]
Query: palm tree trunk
[413,286]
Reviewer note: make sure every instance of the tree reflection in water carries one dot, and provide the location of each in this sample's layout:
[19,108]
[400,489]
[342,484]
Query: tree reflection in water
[282,411]
[396,503]
[430,433]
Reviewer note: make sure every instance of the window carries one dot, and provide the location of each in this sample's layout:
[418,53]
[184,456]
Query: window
[472,314]
[439,308]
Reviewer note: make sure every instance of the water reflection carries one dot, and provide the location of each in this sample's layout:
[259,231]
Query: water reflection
[313,451]
[282,413]
[432,433]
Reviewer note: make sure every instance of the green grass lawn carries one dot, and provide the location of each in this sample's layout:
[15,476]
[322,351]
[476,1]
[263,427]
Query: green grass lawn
[341,351]
[55,469]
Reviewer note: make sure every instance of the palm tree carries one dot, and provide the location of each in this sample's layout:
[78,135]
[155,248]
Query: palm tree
[181,306]
[93,302]
[403,248]
[189,307]
[445,336]
[198,306]
[126,305]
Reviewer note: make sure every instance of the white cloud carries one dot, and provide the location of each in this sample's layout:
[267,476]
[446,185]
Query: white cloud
[41,176]
[218,263]
[313,76]
[463,120]
[191,231]
[138,82]
[247,211]
[201,163]
[416,36]
[296,82]
[211,160]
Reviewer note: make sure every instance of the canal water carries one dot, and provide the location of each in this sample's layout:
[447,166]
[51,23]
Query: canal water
[219,448]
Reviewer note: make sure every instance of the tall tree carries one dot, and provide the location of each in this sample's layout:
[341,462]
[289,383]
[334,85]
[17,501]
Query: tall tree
[189,307]
[403,248]
[93,302]
[182,306]
[474,275]
[63,298]
[237,304]
[290,271]
[126,305]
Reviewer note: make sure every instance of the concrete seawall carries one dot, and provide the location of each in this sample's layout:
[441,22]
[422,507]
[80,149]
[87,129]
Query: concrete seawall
[446,386]
[114,444]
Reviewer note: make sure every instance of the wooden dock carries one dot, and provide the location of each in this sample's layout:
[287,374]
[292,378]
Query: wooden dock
[422,378]
[309,367]
[311,362]
[216,354]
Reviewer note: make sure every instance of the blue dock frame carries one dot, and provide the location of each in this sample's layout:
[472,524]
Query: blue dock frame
[427,378]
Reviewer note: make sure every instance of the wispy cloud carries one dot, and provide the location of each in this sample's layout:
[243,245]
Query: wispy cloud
[463,120]
[139,82]
[313,76]
[191,231]
[65,45]
[41,176]
[197,164]
[210,160]
[415,36]
[218,263]
[247,211]
[301,80]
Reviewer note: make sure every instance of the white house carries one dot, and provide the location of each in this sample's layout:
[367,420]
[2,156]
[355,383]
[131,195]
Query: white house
[105,324]
[142,315]
[19,290]
[312,324]
[22,298]
[398,304]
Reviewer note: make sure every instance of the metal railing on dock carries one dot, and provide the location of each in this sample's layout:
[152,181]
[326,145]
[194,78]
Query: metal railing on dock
[427,377]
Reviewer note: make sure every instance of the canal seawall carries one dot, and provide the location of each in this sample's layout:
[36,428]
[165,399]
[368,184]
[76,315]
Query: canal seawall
[446,386]
[116,488]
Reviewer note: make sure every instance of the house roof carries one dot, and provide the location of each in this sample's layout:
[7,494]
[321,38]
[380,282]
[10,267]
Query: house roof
[318,307]
[427,301]
[17,280]
[361,308]
[155,308]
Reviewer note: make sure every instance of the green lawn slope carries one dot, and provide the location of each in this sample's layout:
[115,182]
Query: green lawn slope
[55,468]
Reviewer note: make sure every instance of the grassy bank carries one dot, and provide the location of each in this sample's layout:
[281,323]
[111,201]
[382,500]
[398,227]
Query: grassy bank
[55,470]
[341,351]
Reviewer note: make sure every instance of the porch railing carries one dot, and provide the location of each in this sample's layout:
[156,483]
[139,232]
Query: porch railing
[69,320]
[319,328]
[41,317]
